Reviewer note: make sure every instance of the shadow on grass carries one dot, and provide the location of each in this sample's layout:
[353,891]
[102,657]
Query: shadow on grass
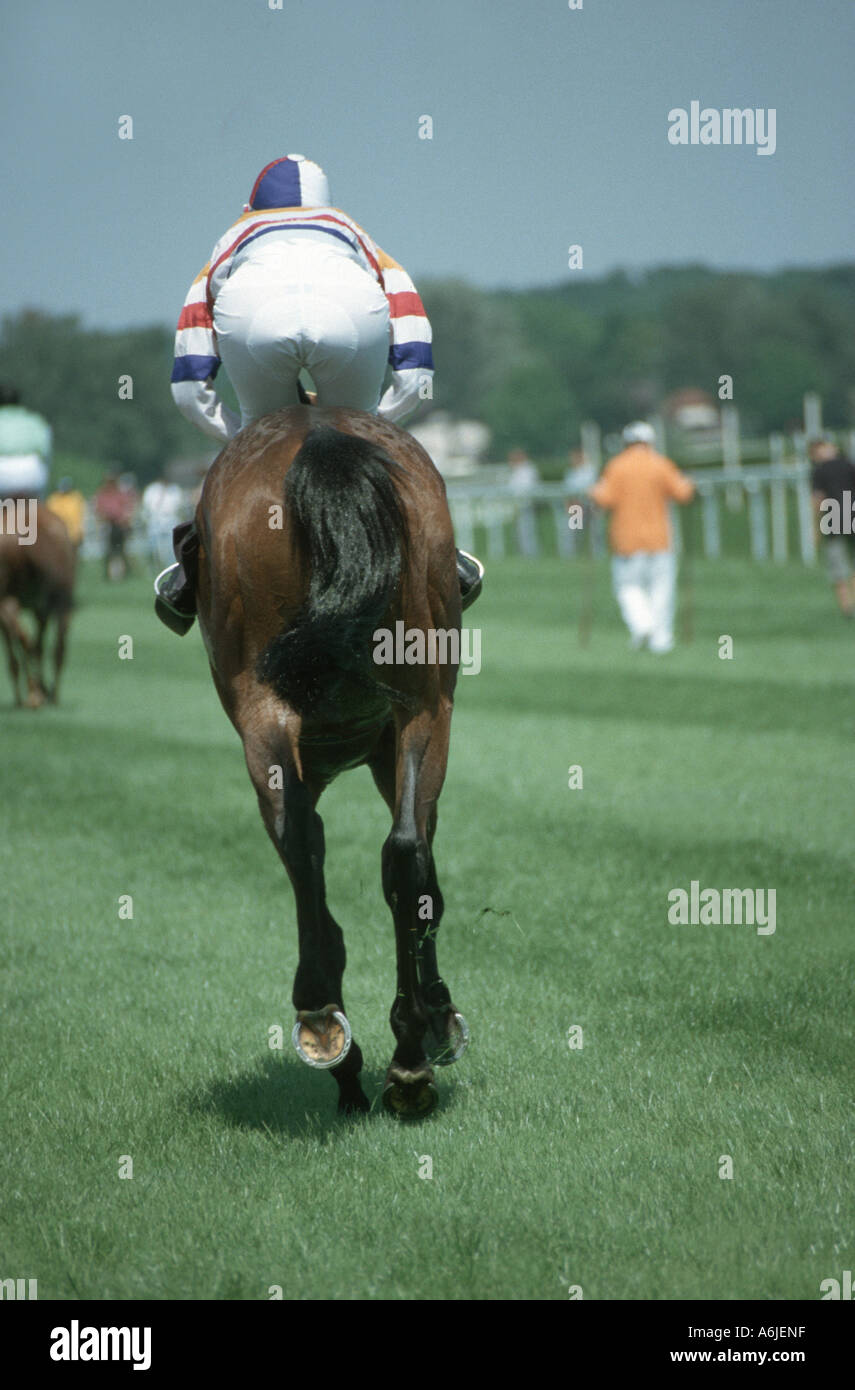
[289,1100]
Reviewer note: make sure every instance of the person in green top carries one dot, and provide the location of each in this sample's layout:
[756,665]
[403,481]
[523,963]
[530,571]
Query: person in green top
[26,441]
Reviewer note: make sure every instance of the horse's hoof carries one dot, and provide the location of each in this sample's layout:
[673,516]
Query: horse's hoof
[448,1037]
[410,1095]
[353,1105]
[323,1038]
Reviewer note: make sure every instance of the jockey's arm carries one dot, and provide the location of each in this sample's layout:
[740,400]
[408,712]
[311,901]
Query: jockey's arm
[197,362]
[409,375]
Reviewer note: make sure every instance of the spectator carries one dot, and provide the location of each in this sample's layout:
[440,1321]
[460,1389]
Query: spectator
[130,493]
[578,481]
[25,448]
[161,504]
[523,482]
[115,506]
[636,487]
[70,506]
[833,479]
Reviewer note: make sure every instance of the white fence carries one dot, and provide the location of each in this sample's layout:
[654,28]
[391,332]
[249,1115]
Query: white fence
[776,498]
[772,495]
[775,502]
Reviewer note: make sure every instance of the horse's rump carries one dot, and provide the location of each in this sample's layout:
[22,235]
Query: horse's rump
[349,533]
[40,576]
[37,577]
[363,537]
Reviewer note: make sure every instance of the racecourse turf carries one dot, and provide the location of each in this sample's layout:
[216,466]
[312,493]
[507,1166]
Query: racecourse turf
[596,1167]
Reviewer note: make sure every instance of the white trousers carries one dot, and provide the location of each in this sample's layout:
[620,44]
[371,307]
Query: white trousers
[645,585]
[23,475]
[308,308]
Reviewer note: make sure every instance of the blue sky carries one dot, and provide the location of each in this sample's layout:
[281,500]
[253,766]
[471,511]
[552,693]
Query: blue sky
[550,128]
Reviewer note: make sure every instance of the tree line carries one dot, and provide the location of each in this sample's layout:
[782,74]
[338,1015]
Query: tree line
[532,364]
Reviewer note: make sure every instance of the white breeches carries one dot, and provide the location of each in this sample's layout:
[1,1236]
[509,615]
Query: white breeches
[306,307]
[23,475]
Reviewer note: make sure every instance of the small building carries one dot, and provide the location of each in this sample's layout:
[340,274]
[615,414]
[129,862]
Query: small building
[456,446]
[691,410]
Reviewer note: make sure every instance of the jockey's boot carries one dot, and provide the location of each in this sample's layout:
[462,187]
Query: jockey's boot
[470,572]
[175,587]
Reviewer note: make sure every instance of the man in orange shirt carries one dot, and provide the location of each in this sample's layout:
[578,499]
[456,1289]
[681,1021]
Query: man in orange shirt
[636,487]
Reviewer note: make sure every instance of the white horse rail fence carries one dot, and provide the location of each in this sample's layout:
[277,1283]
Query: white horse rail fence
[766,509]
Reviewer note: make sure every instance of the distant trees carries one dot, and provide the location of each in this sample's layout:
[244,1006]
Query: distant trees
[531,364]
[71,375]
[539,362]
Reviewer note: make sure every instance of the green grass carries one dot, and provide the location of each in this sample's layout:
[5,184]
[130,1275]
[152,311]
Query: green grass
[551,1167]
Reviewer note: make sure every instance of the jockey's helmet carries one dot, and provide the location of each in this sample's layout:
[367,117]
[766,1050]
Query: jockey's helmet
[290,182]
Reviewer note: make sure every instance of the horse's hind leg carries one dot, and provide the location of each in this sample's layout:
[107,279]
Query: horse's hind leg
[447,1032]
[60,638]
[322,1035]
[412,892]
[9,638]
[14,665]
[39,654]
[17,641]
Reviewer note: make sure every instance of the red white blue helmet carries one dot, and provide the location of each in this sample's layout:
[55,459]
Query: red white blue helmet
[290,182]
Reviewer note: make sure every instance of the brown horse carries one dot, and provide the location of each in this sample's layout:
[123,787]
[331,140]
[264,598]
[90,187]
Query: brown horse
[318,527]
[37,575]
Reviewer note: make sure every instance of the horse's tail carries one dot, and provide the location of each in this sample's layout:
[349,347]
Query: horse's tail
[350,534]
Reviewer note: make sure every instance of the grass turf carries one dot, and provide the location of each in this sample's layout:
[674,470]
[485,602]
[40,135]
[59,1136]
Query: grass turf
[597,1167]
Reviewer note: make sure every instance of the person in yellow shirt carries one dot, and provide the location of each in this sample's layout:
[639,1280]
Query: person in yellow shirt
[636,487]
[69,505]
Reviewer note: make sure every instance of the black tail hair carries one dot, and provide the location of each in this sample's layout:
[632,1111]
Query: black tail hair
[350,532]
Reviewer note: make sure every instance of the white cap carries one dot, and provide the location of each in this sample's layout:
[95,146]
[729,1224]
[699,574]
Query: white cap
[639,432]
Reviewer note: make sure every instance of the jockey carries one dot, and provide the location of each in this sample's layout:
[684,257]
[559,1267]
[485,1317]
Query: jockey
[295,283]
[26,442]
